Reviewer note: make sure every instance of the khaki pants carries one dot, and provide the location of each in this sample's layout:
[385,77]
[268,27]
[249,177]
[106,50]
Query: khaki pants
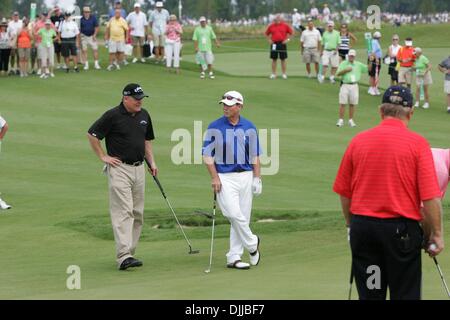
[126,205]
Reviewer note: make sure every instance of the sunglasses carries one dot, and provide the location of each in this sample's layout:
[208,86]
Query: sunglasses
[395,39]
[231,98]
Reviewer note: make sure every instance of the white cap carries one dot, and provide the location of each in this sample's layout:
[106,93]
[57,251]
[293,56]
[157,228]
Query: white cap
[408,43]
[330,23]
[48,21]
[417,50]
[159,4]
[295,10]
[137,5]
[231,98]
[202,19]
[377,34]
[352,52]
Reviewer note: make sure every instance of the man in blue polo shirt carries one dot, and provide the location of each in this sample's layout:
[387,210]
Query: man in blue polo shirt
[231,153]
[89,30]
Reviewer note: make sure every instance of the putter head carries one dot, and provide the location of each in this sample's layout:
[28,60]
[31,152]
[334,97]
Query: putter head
[193,251]
[206,214]
[208,271]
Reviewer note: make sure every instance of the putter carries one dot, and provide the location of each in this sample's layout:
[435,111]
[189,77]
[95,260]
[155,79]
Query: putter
[351,283]
[442,276]
[155,178]
[212,234]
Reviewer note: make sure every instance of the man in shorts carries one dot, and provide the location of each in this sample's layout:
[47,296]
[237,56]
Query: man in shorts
[406,58]
[331,40]
[444,67]
[137,22]
[158,22]
[350,72]
[310,47]
[89,30]
[116,35]
[203,36]
[278,34]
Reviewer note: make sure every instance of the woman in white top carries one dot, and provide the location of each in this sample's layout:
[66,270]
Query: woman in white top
[392,59]
[5,47]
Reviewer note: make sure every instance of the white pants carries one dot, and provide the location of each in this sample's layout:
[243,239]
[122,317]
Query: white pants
[173,52]
[235,201]
[46,53]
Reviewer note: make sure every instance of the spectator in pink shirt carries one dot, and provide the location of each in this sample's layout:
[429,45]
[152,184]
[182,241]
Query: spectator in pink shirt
[441,159]
[173,43]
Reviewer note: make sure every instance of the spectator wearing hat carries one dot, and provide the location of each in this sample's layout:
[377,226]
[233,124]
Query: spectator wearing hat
[5,47]
[137,22]
[375,64]
[14,26]
[158,21]
[310,47]
[117,5]
[444,67]
[277,34]
[234,166]
[174,31]
[406,58]
[69,37]
[297,21]
[203,37]
[330,44]
[57,18]
[38,25]
[128,131]
[381,195]
[88,31]
[46,50]
[115,36]
[350,72]
[422,68]
[24,44]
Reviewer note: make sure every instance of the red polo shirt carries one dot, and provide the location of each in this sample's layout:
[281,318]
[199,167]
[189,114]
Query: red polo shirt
[386,171]
[278,31]
[406,53]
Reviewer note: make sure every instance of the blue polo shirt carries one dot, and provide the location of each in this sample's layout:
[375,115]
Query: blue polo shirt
[376,49]
[87,26]
[232,147]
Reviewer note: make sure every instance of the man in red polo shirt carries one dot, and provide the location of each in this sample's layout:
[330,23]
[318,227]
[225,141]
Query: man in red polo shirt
[384,175]
[278,34]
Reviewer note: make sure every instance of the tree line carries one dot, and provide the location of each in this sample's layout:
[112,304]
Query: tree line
[236,9]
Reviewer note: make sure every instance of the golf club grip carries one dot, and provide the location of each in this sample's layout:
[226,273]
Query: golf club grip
[156,179]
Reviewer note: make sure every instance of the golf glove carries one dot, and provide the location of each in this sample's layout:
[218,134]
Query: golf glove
[257,186]
[348,234]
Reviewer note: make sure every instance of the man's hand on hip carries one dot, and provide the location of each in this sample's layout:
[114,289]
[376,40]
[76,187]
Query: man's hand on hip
[257,186]
[111,161]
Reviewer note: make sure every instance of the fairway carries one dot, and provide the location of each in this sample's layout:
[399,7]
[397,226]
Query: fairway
[60,217]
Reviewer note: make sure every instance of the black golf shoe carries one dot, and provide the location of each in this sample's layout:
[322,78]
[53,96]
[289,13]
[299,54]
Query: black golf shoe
[130,263]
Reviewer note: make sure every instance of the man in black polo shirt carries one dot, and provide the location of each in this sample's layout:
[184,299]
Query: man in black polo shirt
[129,133]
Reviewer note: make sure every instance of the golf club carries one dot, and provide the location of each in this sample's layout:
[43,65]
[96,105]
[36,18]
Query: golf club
[171,209]
[442,276]
[212,234]
[351,283]
[203,213]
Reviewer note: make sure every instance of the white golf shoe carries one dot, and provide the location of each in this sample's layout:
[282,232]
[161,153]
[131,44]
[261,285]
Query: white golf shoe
[340,123]
[351,123]
[134,60]
[97,66]
[426,105]
[202,75]
[86,66]
[238,264]
[4,205]
[142,60]
[272,76]
[211,75]
[320,78]
[255,256]
[416,105]
[110,67]
[284,76]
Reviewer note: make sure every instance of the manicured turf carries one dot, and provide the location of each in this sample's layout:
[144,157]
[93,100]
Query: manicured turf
[60,204]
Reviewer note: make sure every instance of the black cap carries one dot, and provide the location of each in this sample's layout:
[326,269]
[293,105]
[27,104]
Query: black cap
[134,90]
[398,95]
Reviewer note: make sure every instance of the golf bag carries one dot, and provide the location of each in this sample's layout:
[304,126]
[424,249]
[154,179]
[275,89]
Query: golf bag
[146,51]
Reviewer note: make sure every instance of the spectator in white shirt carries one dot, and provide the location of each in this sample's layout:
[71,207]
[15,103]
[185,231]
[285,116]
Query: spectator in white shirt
[13,28]
[310,47]
[158,22]
[137,21]
[69,37]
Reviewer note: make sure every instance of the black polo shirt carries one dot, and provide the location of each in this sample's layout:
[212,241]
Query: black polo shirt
[125,133]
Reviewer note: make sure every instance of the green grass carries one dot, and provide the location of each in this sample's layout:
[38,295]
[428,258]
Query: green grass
[60,202]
